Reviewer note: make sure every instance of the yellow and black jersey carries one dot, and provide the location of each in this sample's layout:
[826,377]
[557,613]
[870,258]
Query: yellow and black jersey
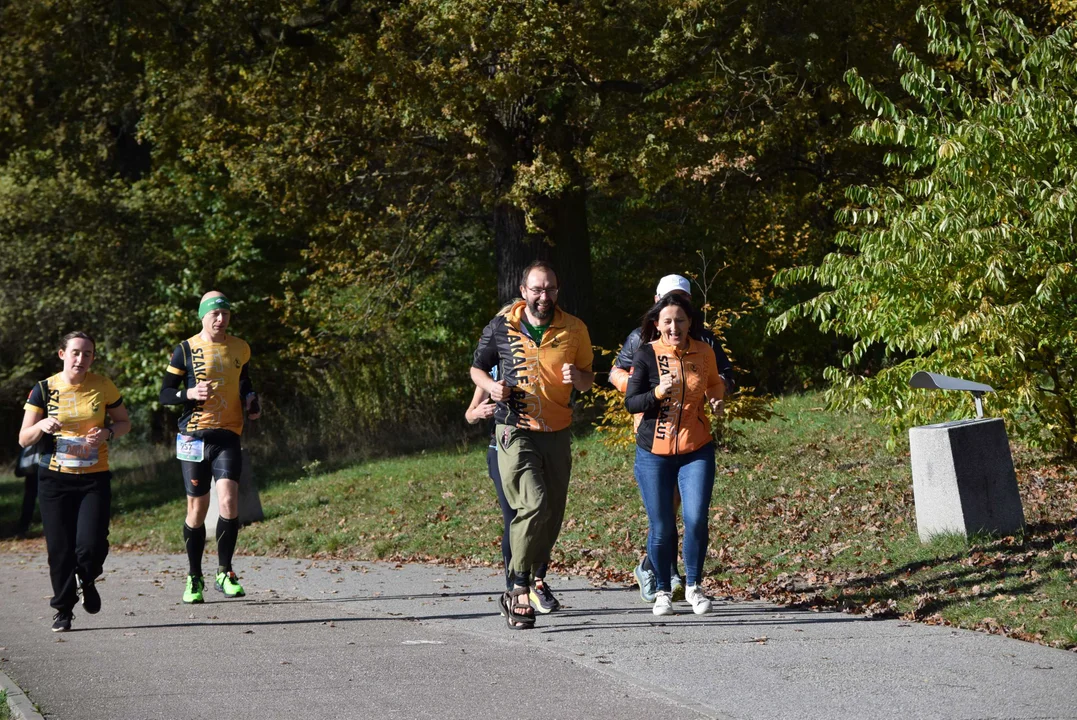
[79,408]
[224,365]
[540,397]
[676,424]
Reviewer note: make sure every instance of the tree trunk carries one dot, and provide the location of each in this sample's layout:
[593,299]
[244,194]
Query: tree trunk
[565,243]
[514,249]
[563,238]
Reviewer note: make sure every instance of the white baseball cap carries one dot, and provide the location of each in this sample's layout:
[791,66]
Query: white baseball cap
[671,283]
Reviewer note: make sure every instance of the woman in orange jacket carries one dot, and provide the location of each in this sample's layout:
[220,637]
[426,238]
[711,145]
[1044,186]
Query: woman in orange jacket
[674,378]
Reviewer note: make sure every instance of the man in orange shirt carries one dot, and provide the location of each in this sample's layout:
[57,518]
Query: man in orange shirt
[542,353]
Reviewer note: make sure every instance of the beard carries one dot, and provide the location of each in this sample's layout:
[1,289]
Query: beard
[542,309]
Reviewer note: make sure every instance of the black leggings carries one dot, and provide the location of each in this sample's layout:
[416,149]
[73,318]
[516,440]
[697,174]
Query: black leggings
[507,516]
[75,512]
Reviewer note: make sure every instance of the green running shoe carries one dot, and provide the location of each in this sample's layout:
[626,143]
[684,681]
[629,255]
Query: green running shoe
[676,584]
[193,591]
[227,582]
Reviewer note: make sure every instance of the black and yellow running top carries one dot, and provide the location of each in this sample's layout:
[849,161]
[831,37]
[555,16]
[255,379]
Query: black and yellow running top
[222,364]
[540,398]
[79,408]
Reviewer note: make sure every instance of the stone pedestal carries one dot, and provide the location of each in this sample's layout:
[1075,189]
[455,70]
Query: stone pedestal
[963,479]
[250,504]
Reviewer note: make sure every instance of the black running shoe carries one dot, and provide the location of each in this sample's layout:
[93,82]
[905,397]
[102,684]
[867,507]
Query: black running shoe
[542,599]
[91,599]
[61,621]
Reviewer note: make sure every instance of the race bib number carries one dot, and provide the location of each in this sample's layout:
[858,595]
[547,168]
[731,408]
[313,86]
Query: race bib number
[74,452]
[189,448]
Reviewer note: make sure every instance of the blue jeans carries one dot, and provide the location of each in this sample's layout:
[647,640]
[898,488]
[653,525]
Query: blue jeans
[657,477]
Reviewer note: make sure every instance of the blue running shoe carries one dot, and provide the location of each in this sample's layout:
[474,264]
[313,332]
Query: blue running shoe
[648,585]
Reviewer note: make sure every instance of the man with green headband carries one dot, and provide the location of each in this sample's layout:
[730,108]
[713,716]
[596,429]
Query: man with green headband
[208,375]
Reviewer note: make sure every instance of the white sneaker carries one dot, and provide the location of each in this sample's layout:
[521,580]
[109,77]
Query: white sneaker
[663,603]
[701,604]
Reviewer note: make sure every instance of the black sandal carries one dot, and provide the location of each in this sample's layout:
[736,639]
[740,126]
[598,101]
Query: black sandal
[510,605]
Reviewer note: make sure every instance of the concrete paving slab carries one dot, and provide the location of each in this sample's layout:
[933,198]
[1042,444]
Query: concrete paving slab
[334,639]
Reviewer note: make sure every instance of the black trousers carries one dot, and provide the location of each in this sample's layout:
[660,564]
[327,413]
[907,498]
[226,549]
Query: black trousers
[75,511]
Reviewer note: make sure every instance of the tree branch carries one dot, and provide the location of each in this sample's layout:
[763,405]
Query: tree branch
[635,87]
[293,31]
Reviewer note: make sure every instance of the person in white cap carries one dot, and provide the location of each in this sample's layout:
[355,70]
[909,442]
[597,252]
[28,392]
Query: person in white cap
[622,370]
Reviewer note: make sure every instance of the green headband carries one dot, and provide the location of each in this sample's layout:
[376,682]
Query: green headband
[214,303]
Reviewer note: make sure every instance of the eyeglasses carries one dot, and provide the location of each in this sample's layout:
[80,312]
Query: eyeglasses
[550,292]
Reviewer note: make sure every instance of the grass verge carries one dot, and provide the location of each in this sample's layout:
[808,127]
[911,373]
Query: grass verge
[809,509]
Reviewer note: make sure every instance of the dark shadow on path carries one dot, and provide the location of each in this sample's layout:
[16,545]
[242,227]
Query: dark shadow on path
[279,623]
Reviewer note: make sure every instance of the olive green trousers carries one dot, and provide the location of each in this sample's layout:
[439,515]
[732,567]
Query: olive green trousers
[535,468]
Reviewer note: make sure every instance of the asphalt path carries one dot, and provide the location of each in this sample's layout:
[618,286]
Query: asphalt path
[327,639]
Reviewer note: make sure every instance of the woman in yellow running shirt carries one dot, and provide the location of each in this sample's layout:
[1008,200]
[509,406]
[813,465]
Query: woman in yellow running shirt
[75,490]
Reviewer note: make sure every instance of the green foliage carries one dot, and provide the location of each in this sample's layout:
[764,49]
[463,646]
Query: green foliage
[615,424]
[345,173]
[964,263]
